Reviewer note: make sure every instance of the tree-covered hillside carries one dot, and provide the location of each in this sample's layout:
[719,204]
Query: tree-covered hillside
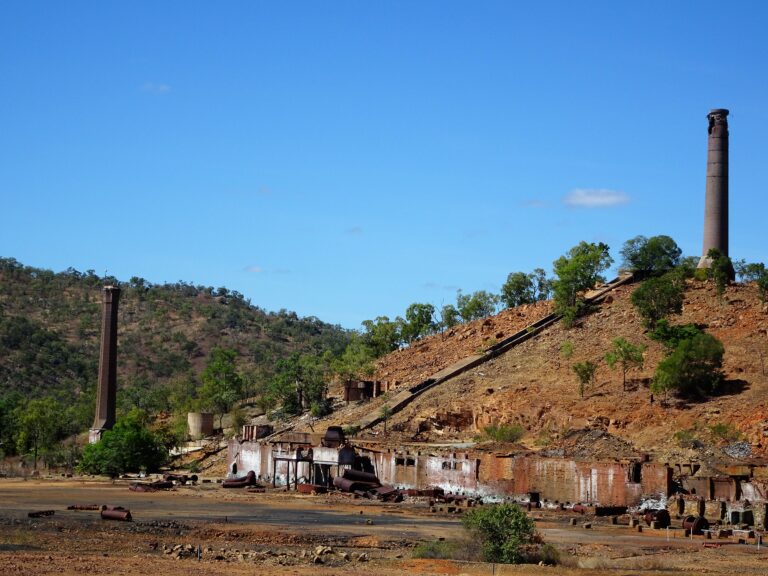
[50,329]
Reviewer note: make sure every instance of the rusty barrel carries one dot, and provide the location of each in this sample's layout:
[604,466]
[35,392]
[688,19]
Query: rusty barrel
[661,517]
[115,513]
[695,524]
[247,480]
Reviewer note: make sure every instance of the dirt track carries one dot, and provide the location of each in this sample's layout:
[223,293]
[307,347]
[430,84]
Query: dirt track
[279,533]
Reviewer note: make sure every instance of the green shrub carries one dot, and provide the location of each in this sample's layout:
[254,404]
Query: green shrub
[685,438]
[504,530]
[128,447]
[320,408]
[503,432]
[585,372]
[671,335]
[720,270]
[548,554]
[725,432]
[441,549]
[701,274]
[693,368]
[659,297]
[566,350]
[651,256]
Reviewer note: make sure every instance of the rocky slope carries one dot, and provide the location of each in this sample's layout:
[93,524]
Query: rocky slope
[533,385]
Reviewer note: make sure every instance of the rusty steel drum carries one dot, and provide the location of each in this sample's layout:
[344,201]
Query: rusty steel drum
[661,517]
[695,524]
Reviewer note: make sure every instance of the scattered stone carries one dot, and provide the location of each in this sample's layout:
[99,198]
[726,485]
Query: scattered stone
[363,557]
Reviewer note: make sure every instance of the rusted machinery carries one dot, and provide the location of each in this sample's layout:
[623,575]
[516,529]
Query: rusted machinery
[660,517]
[695,525]
[41,513]
[151,486]
[334,437]
[242,482]
[367,485]
[180,478]
[115,513]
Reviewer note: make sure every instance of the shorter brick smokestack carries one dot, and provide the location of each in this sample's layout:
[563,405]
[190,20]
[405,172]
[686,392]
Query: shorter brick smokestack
[106,394]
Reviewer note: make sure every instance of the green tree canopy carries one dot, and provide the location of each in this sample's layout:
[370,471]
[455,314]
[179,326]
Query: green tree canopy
[657,298]
[40,426]
[355,362]
[755,272]
[627,356]
[693,368]
[652,256]
[129,447]
[477,305]
[222,385]
[518,289]
[299,383]
[10,406]
[449,317]
[382,335]
[579,270]
[503,530]
[585,372]
[419,321]
[749,272]
[720,269]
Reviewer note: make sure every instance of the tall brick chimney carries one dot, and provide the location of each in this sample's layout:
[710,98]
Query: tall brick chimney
[106,394]
[716,203]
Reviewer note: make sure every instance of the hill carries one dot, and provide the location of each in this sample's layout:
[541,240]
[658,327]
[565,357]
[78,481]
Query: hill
[50,329]
[533,385]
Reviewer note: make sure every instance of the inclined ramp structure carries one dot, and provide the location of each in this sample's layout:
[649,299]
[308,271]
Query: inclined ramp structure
[404,397]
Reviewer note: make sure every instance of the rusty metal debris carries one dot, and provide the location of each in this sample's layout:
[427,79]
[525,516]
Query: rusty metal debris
[242,482]
[366,485]
[41,513]
[115,513]
[695,525]
[180,478]
[312,489]
[81,507]
[151,486]
[660,517]
[334,437]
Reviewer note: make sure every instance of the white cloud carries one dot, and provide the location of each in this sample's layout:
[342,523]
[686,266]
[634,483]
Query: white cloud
[254,269]
[155,88]
[595,198]
[354,231]
[535,204]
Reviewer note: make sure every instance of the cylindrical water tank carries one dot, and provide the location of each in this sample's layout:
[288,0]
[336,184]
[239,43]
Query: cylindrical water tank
[200,424]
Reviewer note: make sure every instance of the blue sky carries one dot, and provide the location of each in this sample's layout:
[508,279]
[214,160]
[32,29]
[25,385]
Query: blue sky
[345,159]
